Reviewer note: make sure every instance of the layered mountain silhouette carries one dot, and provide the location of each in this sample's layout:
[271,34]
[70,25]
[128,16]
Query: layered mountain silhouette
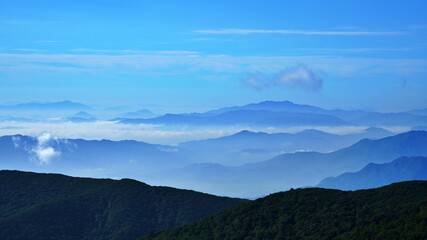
[294,169]
[51,206]
[106,158]
[87,157]
[376,175]
[248,147]
[245,117]
[284,114]
[262,114]
[185,166]
[398,211]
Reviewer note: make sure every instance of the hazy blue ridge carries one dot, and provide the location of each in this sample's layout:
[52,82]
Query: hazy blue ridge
[376,175]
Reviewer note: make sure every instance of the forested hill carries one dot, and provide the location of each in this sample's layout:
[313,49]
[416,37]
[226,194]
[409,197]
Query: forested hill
[397,211]
[52,206]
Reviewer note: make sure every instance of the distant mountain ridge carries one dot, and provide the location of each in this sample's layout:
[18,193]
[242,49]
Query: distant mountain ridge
[104,157]
[262,114]
[279,106]
[295,169]
[377,175]
[284,114]
[183,166]
[246,146]
[64,105]
[245,117]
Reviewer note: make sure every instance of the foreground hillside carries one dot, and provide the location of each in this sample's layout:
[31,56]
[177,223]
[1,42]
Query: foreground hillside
[52,206]
[398,211]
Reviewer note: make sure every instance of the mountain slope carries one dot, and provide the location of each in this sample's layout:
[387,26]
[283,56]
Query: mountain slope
[376,175]
[398,211]
[51,206]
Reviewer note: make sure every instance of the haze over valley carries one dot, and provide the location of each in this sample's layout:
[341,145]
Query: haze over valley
[125,120]
[221,150]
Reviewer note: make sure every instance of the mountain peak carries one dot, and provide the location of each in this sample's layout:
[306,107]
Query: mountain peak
[311,131]
[245,132]
[83,114]
[376,130]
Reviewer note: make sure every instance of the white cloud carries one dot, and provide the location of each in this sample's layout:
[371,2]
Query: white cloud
[239,31]
[299,77]
[44,152]
[44,138]
[16,141]
[147,133]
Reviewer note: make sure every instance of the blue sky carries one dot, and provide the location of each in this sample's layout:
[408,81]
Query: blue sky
[194,55]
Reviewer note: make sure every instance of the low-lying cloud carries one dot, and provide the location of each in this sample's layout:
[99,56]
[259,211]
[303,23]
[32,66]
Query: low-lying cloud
[44,152]
[299,77]
[140,132]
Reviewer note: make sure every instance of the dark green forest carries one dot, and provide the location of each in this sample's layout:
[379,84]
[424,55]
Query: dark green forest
[52,206]
[397,211]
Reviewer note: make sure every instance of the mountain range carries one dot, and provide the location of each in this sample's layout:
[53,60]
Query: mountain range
[105,158]
[87,157]
[279,114]
[200,165]
[292,169]
[249,147]
[245,117]
[51,106]
[284,114]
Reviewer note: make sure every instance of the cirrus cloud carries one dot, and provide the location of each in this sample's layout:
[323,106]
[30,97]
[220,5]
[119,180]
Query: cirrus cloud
[240,31]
